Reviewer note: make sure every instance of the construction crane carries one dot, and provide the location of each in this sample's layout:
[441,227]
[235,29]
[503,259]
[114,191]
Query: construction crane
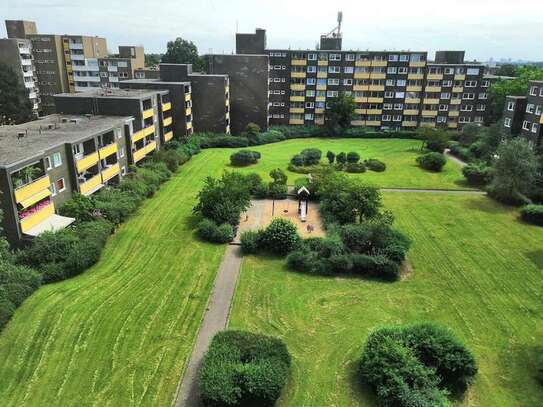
[336,32]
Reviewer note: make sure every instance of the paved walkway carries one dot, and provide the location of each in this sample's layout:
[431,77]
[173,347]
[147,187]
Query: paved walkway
[455,159]
[215,320]
[436,191]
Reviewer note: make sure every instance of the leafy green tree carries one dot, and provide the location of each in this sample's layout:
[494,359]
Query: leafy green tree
[340,113]
[181,51]
[278,176]
[331,157]
[353,157]
[433,139]
[15,107]
[152,59]
[251,132]
[510,87]
[341,158]
[507,70]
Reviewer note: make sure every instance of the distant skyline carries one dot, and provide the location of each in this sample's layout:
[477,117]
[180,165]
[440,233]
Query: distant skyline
[483,28]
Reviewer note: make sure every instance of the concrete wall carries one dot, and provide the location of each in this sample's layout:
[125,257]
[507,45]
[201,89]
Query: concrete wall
[251,43]
[449,57]
[20,28]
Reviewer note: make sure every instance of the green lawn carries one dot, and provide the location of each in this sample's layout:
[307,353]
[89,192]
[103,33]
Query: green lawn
[399,156]
[477,269]
[119,334]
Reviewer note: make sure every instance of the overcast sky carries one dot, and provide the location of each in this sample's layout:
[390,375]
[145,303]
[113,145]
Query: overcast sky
[484,28]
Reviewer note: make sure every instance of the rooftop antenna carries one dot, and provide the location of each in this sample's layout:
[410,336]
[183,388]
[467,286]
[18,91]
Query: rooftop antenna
[336,32]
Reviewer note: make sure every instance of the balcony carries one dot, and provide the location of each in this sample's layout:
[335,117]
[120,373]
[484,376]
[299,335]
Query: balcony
[298,62]
[188,111]
[433,89]
[296,121]
[86,162]
[541,119]
[29,221]
[297,99]
[113,79]
[415,76]
[168,136]
[321,87]
[360,111]
[297,75]
[358,122]
[28,74]
[24,50]
[415,88]
[166,106]
[189,125]
[458,89]
[373,123]
[375,100]
[456,101]
[322,63]
[360,99]
[417,64]
[434,76]
[26,61]
[76,45]
[454,113]
[110,172]
[411,112]
[31,193]
[148,113]
[413,101]
[460,77]
[112,68]
[362,63]
[431,101]
[142,152]
[428,124]
[91,185]
[187,97]
[377,75]
[30,85]
[361,75]
[296,110]
[322,74]
[452,125]
[379,63]
[376,88]
[375,111]
[77,57]
[319,111]
[297,86]
[409,124]
[108,150]
[167,121]
[360,88]
[319,99]
[91,68]
[429,113]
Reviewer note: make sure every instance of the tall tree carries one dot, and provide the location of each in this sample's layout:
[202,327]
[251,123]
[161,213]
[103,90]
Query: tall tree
[340,113]
[152,59]
[15,107]
[182,51]
[507,70]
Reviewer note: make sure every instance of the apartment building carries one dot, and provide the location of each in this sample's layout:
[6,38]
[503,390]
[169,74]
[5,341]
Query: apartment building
[393,90]
[43,162]
[122,67]
[20,28]
[17,53]
[523,115]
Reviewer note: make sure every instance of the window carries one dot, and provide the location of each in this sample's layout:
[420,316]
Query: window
[467,108]
[47,162]
[511,106]
[334,69]
[57,160]
[309,105]
[123,170]
[473,71]
[507,122]
[347,82]
[485,83]
[393,58]
[310,93]
[404,58]
[309,116]
[335,57]
[447,83]
[482,96]
[59,185]
[349,57]
[333,82]
[481,107]
[398,106]
[401,82]
[443,108]
[389,94]
[332,93]
[526,125]
[459,71]
[397,118]
[348,69]
[468,96]
[533,90]
[445,95]
[400,95]
[530,108]
[470,84]
[311,69]
[390,82]
[538,110]
[386,117]
[321,82]
[534,127]
[441,119]
[310,81]
[312,57]
[387,106]
[121,152]
[403,70]
[449,71]
[391,70]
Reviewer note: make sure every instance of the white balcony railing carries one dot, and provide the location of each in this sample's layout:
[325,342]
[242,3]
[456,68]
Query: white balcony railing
[30,85]
[77,57]
[24,51]
[76,45]
[88,68]
[112,68]
[28,74]
[113,79]
[26,62]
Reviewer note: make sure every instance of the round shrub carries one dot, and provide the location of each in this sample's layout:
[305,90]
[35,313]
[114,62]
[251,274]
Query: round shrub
[353,157]
[280,237]
[355,168]
[432,161]
[297,160]
[532,214]
[311,156]
[254,181]
[244,158]
[341,158]
[243,369]
[250,242]
[209,231]
[375,165]
[477,174]
[261,191]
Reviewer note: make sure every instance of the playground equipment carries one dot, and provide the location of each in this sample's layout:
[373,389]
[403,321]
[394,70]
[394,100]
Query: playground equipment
[303,196]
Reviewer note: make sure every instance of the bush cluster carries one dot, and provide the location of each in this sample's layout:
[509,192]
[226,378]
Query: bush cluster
[244,158]
[477,173]
[280,237]
[432,161]
[209,231]
[307,157]
[373,164]
[416,365]
[244,369]
[355,167]
[532,214]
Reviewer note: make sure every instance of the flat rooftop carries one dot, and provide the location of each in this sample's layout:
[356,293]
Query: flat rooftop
[114,93]
[157,81]
[39,137]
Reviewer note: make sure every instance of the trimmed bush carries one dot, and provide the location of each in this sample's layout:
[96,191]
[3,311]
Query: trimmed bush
[375,165]
[304,261]
[353,157]
[79,207]
[432,161]
[250,241]
[297,160]
[532,214]
[209,231]
[341,158]
[331,157]
[243,369]
[244,157]
[355,168]
[375,266]
[477,174]
[280,237]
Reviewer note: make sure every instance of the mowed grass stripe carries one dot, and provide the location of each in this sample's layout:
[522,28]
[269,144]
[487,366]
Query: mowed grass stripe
[121,333]
[477,269]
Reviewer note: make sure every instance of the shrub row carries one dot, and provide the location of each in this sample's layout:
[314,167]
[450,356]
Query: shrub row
[532,214]
[280,237]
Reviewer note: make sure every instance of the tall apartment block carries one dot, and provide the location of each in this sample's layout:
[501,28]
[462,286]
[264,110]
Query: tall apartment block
[17,53]
[393,90]
[523,115]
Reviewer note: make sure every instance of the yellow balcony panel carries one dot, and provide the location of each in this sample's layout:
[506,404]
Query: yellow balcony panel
[167,121]
[323,63]
[373,123]
[415,76]
[166,107]
[297,86]
[418,64]
[296,121]
[189,125]
[188,111]
[454,113]
[297,98]
[433,88]
[361,75]
[360,88]
[379,63]
[86,162]
[37,217]
[187,97]
[431,101]
[227,102]
[427,125]
[298,62]
[137,136]
[110,172]
[148,113]
[456,101]
[378,75]
[322,74]
[142,152]
[360,111]
[429,113]
[409,124]
[414,88]
[434,76]
[458,89]
[91,185]
[413,101]
[541,119]
[297,74]
[363,63]
[377,88]
[452,125]
[375,100]
[226,90]
[296,110]
[321,87]
[25,192]
[358,122]
[360,99]
[25,203]
[375,111]
[319,111]
[168,136]
[460,77]
[411,112]
[320,99]
[108,150]
[148,131]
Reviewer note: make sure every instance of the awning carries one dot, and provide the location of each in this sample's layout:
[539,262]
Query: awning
[31,200]
[52,223]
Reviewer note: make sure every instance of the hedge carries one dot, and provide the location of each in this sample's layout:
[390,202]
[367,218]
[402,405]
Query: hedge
[432,161]
[243,369]
[375,165]
[211,232]
[244,158]
[477,173]
[532,214]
